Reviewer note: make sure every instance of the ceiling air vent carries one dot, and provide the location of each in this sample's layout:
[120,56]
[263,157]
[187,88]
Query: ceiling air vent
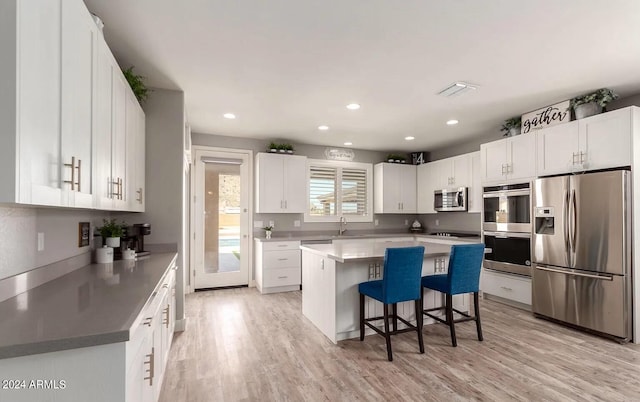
[457,88]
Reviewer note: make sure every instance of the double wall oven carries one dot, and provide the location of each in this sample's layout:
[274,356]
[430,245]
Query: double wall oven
[507,228]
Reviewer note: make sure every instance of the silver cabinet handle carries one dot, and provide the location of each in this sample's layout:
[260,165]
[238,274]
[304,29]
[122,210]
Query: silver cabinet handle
[147,321]
[282,277]
[152,367]
[139,192]
[506,288]
[73,167]
[282,245]
[282,259]
[166,311]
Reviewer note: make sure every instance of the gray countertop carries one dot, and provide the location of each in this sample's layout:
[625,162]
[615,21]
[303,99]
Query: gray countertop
[346,252]
[320,236]
[93,305]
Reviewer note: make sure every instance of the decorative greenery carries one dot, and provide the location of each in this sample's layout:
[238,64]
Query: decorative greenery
[268,228]
[136,82]
[396,157]
[110,228]
[602,97]
[287,147]
[514,122]
[273,145]
[281,147]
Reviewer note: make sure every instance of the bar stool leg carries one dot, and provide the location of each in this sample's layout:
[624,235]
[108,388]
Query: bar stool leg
[449,309]
[386,332]
[394,313]
[361,317]
[419,324]
[477,311]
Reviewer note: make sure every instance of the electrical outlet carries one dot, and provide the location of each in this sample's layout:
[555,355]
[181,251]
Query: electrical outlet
[272,224]
[40,241]
[376,222]
[437,222]
[296,223]
[406,222]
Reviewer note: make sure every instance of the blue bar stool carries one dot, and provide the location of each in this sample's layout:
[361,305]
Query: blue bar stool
[463,277]
[400,282]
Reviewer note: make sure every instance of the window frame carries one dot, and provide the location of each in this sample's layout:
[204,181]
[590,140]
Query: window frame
[340,165]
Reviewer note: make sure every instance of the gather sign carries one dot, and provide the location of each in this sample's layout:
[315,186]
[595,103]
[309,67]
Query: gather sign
[545,117]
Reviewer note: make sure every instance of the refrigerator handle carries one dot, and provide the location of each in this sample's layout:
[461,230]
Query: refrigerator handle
[574,219]
[559,271]
[565,221]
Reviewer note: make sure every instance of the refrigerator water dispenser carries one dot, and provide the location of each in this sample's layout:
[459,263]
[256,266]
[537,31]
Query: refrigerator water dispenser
[544,221]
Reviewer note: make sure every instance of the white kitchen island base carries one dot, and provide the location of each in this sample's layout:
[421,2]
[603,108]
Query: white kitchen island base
[331,274]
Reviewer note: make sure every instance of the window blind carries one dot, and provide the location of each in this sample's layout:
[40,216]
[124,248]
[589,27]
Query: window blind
[354,192]
[322,190]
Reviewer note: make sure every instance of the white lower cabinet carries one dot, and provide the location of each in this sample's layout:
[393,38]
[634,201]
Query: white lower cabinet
[278,266]
[510,287]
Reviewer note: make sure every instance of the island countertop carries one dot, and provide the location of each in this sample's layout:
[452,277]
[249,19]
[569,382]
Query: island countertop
[93,305]
[355,251]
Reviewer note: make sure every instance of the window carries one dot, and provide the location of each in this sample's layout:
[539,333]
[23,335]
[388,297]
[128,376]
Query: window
[338,189]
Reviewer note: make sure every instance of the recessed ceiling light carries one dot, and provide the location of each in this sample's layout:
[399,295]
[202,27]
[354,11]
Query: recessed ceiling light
[452,122]
[409,138]
[323,128]
[353,106]
[229,116]
[348,143]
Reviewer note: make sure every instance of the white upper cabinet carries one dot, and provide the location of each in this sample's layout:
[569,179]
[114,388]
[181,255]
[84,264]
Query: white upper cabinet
[30,102]
[598,142]
[79,40]
[281,182]
[394,188]
[474,196]
[426,178]
[509,160]
[557,148]
[135,177]
[453,172]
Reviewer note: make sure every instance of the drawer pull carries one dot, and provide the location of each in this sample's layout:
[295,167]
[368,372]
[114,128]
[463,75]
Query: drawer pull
[282,245]
[147,321]
[282,259]
[152,367]
[506,288]
[282,277]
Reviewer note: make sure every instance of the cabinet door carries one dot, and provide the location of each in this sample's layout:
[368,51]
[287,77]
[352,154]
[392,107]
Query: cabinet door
[605,139]
[140,174]
[460,171]
[387,188]
[557,148]
[270,183]
[444,176]
[102,138]
[522,157]
[493,160]
[474,195]
[425,188]
[135,153]
[295,183]
[119,139]
[38,108]
[408,181]
[79,33]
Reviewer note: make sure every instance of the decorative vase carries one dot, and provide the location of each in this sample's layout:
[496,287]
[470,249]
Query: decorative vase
[113,242]
[282,151]
[273,150]
[390,160]
[587,109]
[289,151]
[267,234]
[513,131]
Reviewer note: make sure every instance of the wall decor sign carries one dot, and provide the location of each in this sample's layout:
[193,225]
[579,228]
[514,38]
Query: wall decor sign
[418,158]
[546,117]
[339,154]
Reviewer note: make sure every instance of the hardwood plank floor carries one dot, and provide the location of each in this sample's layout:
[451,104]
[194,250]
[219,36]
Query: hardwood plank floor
[243,346]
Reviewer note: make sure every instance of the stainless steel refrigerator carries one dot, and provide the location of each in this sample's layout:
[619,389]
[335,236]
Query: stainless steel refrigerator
[581,251]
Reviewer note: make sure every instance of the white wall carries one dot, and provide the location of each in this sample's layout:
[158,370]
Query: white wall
[19,227]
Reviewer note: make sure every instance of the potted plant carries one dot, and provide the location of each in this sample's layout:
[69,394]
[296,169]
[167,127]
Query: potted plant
[267,231]
[273,147]
[593,103]
[136,82]
[512,126]
[111,232]
[288,148]
[281,149]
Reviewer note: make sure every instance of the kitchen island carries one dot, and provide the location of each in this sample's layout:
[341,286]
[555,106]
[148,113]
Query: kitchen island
[331,274]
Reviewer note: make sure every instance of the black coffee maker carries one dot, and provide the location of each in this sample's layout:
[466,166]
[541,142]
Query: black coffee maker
[135,238]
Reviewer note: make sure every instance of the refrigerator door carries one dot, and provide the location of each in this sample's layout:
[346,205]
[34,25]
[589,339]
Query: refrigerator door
[594,301]
[599,222]
[551,225]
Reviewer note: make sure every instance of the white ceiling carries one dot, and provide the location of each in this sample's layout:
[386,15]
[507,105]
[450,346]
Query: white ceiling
[284,67]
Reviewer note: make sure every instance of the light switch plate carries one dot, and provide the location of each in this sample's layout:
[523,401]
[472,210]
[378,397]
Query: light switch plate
[258,224]
[296,223]
[40,241]
[83,234]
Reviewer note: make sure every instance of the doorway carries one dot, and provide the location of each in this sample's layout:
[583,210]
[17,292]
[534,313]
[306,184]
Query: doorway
[221,217]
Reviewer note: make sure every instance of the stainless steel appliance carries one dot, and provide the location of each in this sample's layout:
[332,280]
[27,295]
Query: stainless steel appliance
[450,199]
[135,238]
[582,251]
[507,208]
[506,224]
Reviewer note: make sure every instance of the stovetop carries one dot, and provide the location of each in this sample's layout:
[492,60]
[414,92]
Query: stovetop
[453,234]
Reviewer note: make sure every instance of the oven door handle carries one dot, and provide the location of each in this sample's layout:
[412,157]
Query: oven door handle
[560,271]
[505,193]
[506,235]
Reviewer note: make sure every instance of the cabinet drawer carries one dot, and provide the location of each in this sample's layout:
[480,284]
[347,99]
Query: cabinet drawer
[510,287]
[280,245]
[281,259]
[281,277]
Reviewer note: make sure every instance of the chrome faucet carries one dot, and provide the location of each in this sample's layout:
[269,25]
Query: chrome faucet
[343,225]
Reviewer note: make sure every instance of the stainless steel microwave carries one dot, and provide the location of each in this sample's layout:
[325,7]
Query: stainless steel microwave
[450,199]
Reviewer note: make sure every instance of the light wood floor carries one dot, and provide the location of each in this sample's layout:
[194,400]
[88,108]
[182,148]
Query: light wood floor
[240,345]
